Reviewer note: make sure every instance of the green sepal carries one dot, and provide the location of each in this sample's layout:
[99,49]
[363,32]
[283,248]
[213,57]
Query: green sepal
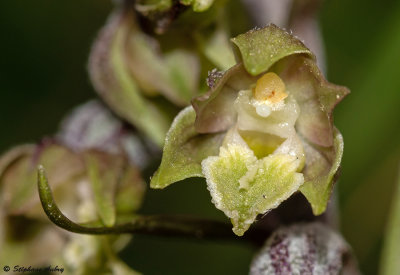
[260,48]
[321,172]
[184,150]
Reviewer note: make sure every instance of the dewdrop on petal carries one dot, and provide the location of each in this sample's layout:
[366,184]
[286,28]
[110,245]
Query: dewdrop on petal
[269,94]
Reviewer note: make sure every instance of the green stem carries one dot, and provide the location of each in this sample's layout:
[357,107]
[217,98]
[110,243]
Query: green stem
[160,225]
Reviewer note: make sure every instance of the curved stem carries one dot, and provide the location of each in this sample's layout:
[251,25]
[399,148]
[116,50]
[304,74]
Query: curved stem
[161,225]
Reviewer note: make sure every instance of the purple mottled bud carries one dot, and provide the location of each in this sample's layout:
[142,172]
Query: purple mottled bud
[304,249]
[92,126]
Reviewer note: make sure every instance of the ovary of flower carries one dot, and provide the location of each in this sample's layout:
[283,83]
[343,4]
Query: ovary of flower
[269,94]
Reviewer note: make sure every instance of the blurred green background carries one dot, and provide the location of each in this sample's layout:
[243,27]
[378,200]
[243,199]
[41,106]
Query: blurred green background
[44,49]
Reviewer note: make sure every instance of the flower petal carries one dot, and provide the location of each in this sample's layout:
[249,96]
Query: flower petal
[214,109]
[315,95]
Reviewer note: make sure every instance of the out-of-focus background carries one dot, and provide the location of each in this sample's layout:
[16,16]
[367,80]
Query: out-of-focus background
[44,49]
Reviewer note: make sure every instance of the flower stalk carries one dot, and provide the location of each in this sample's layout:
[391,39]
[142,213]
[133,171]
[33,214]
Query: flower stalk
[160,225]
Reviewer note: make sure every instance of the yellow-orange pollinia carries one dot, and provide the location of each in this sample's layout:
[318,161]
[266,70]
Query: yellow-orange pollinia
[269,94]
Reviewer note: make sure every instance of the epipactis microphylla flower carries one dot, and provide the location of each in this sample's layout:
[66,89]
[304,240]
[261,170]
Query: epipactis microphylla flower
[263,132]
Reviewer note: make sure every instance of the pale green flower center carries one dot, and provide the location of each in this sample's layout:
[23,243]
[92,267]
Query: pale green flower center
[266,118]
[261,157]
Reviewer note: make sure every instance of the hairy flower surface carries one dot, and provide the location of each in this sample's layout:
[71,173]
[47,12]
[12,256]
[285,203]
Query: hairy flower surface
[264,131]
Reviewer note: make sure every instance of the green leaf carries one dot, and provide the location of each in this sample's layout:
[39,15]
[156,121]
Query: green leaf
[390,264]
[321,172]
[261,48]
[243,187]
[184,150]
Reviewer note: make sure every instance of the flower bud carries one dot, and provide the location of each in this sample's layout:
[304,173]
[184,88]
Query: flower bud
[146,78]
[93,181]
[304,249]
